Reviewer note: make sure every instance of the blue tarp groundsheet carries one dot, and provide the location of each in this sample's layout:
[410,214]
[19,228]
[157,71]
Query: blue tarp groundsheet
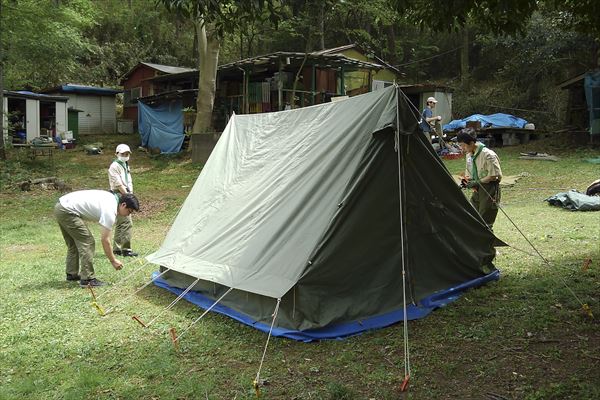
[340,331]
[487,121]
[161,126]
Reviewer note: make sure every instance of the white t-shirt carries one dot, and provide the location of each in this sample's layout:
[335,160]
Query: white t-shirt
[92,205]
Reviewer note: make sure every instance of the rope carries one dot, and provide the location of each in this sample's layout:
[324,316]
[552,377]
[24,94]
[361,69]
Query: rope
[429,58]
[415,111]
[138,290]
[402,244]
[203,314]
[544,259]
[257,379]
[143,261]
[143,264]
[173,302]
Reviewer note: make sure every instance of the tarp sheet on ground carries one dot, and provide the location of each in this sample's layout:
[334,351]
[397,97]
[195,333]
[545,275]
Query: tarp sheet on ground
[321,207]
[498,120]
[161,126]
[575,201]
[591,86]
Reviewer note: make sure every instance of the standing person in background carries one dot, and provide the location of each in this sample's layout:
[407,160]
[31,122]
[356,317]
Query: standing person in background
[120,182]
[72,211]
[429,122]
[483,175]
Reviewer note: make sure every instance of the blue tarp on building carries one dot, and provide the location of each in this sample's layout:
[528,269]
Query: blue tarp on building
[161,126]
[498,120]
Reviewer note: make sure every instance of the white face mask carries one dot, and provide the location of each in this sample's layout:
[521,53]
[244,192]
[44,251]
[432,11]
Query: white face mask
[123,158]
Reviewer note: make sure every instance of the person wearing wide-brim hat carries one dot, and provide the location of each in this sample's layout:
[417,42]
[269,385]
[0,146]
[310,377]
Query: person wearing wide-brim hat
[119,179]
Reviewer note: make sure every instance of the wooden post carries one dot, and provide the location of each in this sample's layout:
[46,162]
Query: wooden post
[280,86]
[313,86]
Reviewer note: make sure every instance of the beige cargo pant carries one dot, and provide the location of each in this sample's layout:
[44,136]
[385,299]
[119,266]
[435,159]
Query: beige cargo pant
[122,237]
[81,245]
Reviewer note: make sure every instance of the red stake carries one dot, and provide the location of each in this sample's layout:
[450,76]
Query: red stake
[404,385]
[136,318]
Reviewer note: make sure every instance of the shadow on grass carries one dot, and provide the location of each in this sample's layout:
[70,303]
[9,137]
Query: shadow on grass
[49,284]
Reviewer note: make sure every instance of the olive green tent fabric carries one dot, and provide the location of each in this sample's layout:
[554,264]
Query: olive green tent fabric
[304,205]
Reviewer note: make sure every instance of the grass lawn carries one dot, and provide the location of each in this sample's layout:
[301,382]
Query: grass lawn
[523,337]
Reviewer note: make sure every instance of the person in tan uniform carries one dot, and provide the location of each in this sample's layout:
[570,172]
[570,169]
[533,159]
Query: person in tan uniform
[483,174]
[119,179]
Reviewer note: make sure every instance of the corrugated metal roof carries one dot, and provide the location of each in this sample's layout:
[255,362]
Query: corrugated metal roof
[24,94]
[319,60]
[83,89]
[167,69]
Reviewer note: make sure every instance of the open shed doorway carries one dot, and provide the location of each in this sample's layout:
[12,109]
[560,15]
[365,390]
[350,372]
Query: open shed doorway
[48,118]
[17,117]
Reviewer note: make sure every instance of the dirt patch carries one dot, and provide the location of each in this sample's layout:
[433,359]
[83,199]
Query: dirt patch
[151,207]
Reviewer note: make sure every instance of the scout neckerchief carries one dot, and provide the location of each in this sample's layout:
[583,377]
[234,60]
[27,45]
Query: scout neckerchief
[477,152]
[125,167]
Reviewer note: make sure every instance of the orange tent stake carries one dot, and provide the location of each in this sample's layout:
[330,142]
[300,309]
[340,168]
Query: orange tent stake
[174,338]
[404,385]
[139,321]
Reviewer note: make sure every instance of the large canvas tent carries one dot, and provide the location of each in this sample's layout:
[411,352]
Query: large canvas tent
[322,208]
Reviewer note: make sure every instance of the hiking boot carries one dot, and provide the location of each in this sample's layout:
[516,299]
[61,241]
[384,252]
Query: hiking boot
[129,253]
[73,277]
[91,282]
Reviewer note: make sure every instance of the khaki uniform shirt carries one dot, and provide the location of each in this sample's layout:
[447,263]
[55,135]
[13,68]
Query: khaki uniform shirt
[119,176]
[486,162]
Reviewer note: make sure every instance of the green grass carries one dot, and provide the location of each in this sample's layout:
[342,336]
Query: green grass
[523,337]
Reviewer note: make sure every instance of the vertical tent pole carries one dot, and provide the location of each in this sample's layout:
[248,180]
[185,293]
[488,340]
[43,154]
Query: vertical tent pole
[404,385]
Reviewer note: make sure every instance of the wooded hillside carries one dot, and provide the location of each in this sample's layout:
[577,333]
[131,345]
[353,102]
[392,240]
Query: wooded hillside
[498,55]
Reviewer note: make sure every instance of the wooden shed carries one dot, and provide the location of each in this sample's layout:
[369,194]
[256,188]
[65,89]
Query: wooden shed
[97,105]
[137,83]
[34,114]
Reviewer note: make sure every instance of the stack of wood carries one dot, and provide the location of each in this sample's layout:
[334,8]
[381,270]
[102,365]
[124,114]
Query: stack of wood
[49,183]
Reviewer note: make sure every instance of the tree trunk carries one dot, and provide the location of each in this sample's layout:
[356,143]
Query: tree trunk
[2,145]
[208,46]
[464,59]
[322,27]
[391,44]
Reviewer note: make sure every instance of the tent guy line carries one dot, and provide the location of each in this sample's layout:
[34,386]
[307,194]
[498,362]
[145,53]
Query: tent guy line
[123,300]
[203,314]
[256,383]
[173,303]
[584,306]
